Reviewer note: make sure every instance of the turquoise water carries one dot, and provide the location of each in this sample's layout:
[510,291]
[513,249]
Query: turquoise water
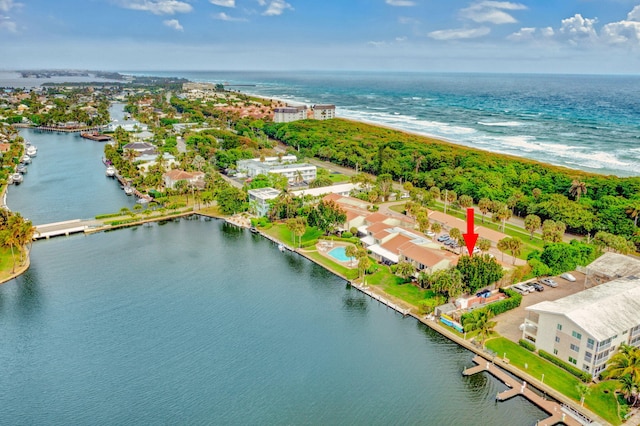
[578,121]
[339,254]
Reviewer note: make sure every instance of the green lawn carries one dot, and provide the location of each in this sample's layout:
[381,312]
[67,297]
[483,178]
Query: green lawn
[395,286]
[338,178]
[281,233]
[601,403]
[6,262]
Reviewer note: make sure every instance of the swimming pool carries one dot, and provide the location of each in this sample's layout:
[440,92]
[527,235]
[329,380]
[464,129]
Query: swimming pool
[339,254]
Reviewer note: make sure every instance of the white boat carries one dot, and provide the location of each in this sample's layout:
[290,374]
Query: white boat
[17,178]
[32,151]
[22,169]
[128,190]
[111,171]
[25,159]
[281,247]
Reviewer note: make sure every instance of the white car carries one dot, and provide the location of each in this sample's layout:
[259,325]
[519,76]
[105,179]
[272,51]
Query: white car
[549,282]
[520,288]
[567,276]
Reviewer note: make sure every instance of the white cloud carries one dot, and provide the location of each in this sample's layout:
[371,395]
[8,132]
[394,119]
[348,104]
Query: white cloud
[276,7]
[173,23]
[492,12]
[547,32]
[224,17]
[7,5]
[406,20]
[524,34]
[578,29]
[158,7]
[224,3]
[460,33]
[6,24]
[400,2]
[634,15]
[623,32]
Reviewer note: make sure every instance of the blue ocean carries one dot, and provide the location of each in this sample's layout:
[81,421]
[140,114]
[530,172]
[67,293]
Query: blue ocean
[584,122]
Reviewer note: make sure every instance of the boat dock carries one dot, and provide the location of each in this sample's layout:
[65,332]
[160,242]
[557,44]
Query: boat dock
[558,413]
[366,290]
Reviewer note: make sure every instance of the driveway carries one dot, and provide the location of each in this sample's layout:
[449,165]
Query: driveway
[508,323]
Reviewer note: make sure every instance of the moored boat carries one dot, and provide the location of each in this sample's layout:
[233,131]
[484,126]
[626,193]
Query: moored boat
[26,159]
[22,169]
[32,151]
[128,190]
[17,178]
[111,171]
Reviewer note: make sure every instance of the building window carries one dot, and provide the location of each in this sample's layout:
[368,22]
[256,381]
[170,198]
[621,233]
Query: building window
[573,360]
[588,356]
[576,335]
[559,327]
[590,343]
[555,352]
[557,339]
[575,348]
[585,367]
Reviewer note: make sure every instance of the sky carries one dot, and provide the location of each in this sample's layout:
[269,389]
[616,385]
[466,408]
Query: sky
[537,36]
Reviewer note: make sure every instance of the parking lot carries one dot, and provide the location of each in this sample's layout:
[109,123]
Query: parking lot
[509,322]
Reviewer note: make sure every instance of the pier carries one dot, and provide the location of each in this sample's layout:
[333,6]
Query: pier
[558,413]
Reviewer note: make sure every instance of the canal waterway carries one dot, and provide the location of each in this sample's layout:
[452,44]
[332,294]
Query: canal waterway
[199,322]
[65,181]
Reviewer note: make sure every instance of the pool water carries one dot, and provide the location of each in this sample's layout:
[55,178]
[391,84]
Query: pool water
[339,254]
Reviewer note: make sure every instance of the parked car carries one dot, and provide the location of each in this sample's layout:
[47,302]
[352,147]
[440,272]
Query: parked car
[520,289]
[430,234]
[476,250]
[549,282]
[567,276]
[528,287]
[443,238]
[537,286]
[484,293]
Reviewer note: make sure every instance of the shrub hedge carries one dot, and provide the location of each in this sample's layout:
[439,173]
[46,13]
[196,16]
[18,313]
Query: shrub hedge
[527,345]
[582,375]
[511,302]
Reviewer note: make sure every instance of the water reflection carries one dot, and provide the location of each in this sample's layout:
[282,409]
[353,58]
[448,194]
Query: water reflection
[354,301]
[28,296]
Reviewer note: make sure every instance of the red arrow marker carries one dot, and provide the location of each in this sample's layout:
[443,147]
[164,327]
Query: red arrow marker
[470,237]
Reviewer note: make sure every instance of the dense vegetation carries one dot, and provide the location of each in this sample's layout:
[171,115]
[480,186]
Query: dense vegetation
[584,202]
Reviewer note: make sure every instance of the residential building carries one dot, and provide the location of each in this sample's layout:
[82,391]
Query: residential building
[586,328]
[343,189]
[171,177]
[259,200]
[324,112]
[243,166]
[295,173]
[142,148]
[289,113]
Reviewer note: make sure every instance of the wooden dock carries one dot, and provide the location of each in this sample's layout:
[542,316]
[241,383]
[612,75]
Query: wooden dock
[558,413]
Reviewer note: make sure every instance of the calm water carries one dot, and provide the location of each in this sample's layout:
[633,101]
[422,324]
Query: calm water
[65,181]
[577,121]
[198,322]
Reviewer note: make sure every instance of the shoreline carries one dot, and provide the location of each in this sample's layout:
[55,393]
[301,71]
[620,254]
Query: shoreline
[452,142]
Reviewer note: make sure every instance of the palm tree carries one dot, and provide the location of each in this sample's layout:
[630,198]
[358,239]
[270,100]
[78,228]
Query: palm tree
[198,162]
[350,251]
[130,155]
[515,247]
[503,245]
[634,211]
[480,321]
[484,244]
[531,224]
[436,228]
[583,391]
[577,189]
[502,213]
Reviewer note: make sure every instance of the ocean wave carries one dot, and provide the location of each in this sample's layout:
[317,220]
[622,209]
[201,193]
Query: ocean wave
[501,123]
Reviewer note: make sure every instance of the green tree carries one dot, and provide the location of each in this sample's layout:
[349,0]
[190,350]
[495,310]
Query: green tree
[423,221]
[577,189]
[351,251]
[532,223]
[405,270]
[502,213]
[481,322]
[479,271]
[553,231]
[465,201]
[327,216]
[485,206]
[583,391]
[484,245]
[232,200]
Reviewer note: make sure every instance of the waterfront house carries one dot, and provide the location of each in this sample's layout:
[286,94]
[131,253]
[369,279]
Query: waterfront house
[343,189]
[259,200]
[142,148]
[171,177]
